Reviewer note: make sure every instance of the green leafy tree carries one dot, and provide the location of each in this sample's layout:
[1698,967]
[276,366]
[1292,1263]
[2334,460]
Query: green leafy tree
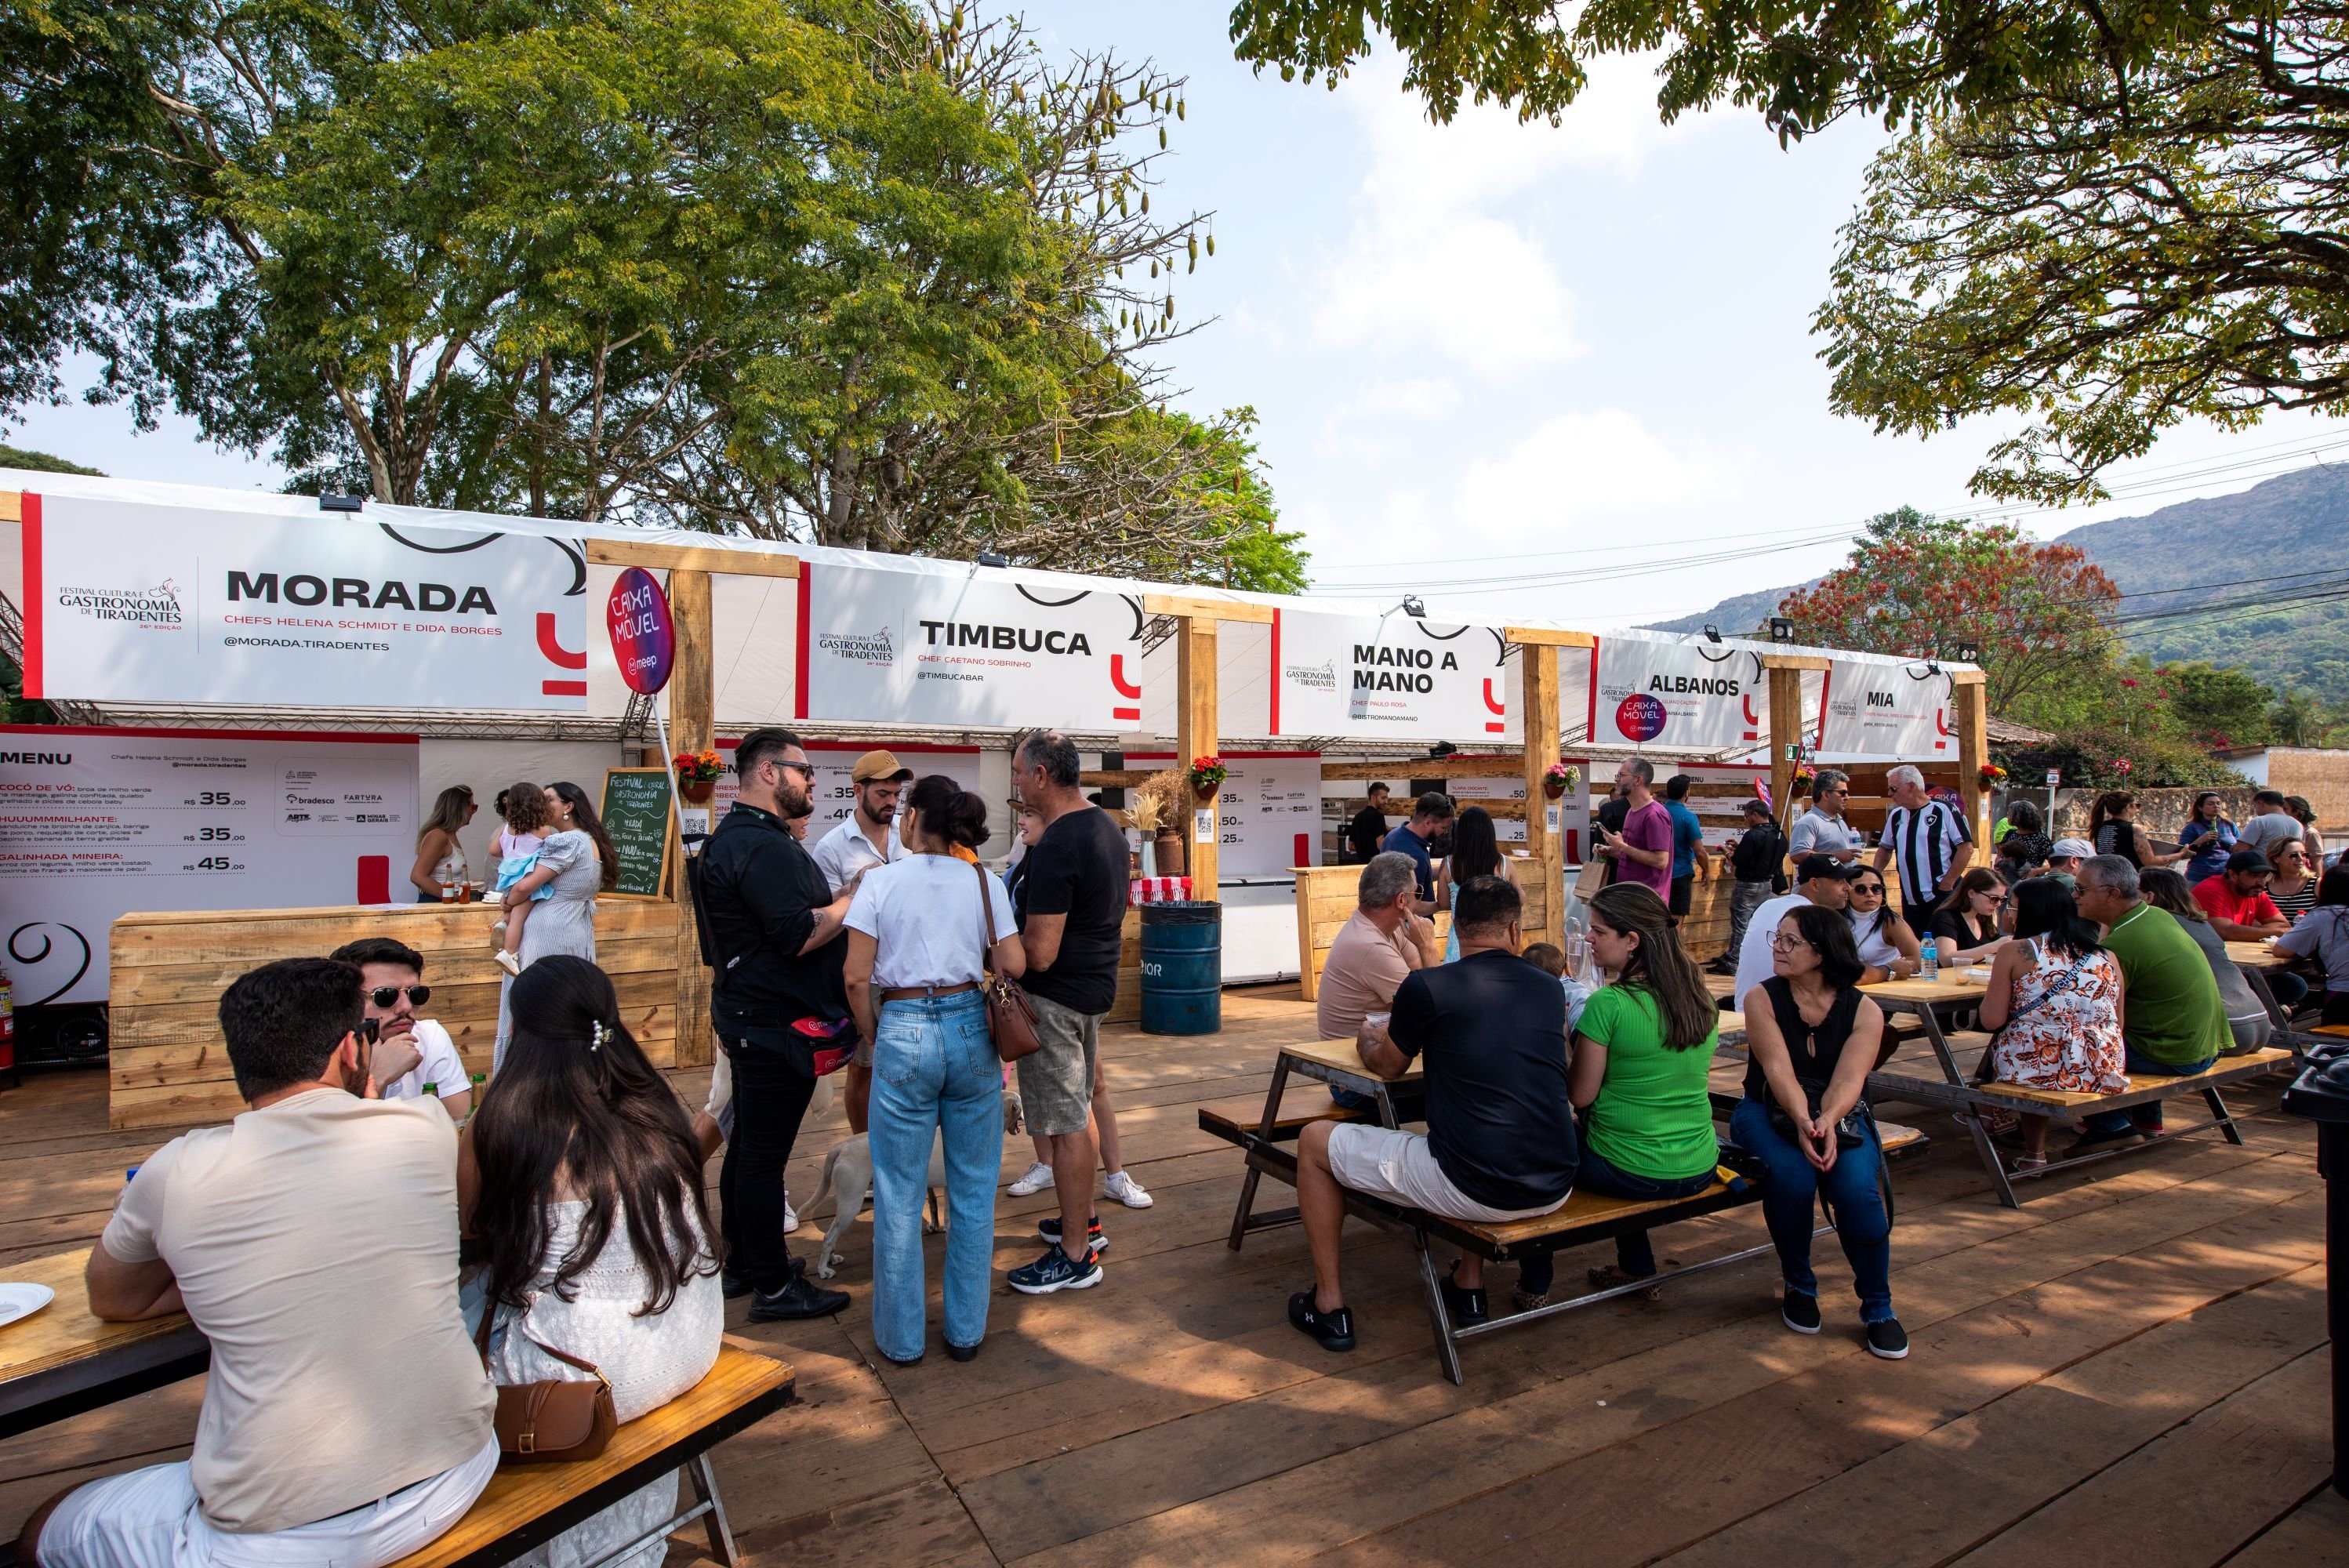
[41,462]
[1924,587]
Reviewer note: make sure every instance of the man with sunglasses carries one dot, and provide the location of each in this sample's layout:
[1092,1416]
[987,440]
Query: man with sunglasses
[777,945]
[391,977]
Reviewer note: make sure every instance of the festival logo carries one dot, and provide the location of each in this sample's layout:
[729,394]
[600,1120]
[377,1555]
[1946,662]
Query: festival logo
[876,648]
[1640,717]
[155,609]
[1322,676]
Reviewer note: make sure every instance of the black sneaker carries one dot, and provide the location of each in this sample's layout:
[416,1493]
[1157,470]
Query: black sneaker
[2092,1139]
[798,1299]
[1888,1339]
[1465,1306]
[1801,1312]
[963,1352]
[1056,1271]
[1050,1229]
[1332,1330]
[733,1284]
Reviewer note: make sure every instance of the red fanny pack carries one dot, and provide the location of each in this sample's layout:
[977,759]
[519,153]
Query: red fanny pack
[831,1051]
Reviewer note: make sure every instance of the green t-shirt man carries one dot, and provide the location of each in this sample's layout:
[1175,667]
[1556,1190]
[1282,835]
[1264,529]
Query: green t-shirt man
[2173,1013]
[1653,1117]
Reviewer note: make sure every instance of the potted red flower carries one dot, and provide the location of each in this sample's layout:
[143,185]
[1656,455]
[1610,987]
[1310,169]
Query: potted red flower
[1558,777]
[697,775]
[1206,776]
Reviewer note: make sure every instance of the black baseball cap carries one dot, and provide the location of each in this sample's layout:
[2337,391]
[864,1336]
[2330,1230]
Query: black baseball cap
[1818,866]
[2248,861]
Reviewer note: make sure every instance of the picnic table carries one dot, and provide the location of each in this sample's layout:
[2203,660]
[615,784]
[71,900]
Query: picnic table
[1935,1005]
[62,1360]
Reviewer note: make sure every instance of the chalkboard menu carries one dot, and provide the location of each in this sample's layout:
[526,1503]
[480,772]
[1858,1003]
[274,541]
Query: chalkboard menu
[637,814]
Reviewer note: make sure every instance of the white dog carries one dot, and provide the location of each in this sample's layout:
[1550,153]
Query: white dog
[847,1177]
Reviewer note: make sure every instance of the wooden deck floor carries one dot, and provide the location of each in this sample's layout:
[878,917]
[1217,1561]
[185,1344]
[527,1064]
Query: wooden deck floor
[2131,1369]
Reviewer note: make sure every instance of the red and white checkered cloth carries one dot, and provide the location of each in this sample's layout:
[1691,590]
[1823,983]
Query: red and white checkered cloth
[1158,890]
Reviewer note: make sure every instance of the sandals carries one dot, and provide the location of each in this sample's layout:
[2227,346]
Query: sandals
[2028,1162]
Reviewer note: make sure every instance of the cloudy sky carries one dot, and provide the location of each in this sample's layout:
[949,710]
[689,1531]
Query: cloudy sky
[1521,370]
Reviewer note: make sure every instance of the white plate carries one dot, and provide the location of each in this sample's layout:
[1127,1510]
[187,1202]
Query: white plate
[22,1300]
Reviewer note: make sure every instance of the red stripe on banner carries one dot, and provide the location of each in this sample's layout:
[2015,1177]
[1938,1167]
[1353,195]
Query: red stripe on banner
[1826,680]
[800,675]
[1276,679]
[37,593]
[1117,677]
[1168,756]
[551,645]
[1592,736]
[1131,714]
[563,688]
[375,879]
[120,732]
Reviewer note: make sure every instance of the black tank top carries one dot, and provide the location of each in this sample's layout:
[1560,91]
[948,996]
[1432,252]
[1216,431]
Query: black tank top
[2119,839]
[1815,1048]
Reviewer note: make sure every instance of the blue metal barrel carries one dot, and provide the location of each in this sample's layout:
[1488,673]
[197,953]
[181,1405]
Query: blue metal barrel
[1183,968]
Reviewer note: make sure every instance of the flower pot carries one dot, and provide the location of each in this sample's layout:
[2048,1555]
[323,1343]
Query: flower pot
[698,792]
[1169,847]
[1553,788]
[1206,792]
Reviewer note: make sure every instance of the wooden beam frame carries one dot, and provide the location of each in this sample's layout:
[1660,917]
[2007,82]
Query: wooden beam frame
[1970,695]
[1547,637]
[692,718]
[691,558]
[1540,730]
[1796,662]
[1206,610]
[1194,719]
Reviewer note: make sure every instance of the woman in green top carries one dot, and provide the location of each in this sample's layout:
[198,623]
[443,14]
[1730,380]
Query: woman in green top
[1642,1050]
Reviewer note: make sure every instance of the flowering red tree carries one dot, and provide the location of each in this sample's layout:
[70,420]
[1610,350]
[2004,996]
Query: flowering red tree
[1921,587]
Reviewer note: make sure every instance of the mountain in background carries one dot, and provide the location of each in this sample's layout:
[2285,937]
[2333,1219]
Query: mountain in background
[2242,547]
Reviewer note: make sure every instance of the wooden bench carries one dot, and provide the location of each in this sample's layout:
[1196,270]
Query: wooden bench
[527,1505]
[1585,1218]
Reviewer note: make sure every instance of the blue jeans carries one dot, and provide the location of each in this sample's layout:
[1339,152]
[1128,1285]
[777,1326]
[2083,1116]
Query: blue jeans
[1634,1253]
[1849,1191]
[933,1070]
[2142,1115]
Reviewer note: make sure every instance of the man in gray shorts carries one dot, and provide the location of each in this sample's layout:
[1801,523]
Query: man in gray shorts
[1072,908]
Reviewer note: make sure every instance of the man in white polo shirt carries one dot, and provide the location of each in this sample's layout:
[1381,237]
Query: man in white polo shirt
[866,837]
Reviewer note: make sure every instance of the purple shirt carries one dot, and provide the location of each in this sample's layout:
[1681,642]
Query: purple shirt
[1647,828]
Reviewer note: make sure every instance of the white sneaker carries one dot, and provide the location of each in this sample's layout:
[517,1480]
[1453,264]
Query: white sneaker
[508,963]
[1038,1177]
[791,1215]
[1127,1191]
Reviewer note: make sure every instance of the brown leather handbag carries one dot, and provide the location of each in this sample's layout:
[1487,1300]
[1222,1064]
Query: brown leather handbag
[1010,1014]
[552,1421]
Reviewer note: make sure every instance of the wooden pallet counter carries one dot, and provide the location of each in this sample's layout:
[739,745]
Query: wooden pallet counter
[168,1064]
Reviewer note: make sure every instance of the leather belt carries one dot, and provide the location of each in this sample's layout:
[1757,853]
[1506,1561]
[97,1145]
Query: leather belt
[923,993]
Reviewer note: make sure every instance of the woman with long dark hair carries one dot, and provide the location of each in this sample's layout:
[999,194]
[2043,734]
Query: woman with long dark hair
[2207,836]
[575,863]
[2322,934]
[2113,829]
[1642,1048]
[1475,852]
[581,1177]
[1882,937]
[2054,1005]
[918,954]
[1812,1039]
[1964,924]
[2247,1015]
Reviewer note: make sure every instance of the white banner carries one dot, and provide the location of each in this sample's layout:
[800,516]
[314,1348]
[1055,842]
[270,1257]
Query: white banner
[1392,676]
[130,601]
[97,822]
[966,650]
[1267,813]
[835,790]
[1889,711]
[1678,695]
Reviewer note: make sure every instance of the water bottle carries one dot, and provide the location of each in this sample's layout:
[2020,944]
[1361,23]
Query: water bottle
[1928,962]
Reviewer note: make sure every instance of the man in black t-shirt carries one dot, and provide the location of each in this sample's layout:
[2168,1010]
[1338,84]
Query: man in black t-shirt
[1368,831]
[1500,1142]
[1072,898]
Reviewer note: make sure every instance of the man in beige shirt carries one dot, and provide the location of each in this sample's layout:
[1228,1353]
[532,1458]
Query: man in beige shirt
[314,1240]
[1381,942]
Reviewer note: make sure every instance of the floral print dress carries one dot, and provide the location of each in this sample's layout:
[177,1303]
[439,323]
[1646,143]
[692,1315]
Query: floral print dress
[2064,1029]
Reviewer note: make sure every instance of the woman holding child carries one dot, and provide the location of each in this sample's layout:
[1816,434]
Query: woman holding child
[550,901]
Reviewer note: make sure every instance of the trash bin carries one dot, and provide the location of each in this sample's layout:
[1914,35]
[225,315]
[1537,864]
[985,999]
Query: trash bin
[1183,967]
[2321,1094]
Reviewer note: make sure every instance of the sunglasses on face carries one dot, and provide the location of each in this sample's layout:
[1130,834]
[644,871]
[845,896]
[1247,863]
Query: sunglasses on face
[1868,890]
[389,995]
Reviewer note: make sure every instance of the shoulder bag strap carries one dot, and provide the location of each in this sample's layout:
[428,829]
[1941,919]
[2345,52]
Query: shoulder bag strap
[986,914]
[521,1325]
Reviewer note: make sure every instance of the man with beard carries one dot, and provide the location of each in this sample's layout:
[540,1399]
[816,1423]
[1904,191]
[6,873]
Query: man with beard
[775,927]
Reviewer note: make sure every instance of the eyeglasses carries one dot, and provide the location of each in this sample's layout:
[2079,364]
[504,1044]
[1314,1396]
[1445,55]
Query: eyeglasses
[389,995]
[1781,943]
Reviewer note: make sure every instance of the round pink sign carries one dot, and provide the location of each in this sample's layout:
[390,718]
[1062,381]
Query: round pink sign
[643,638]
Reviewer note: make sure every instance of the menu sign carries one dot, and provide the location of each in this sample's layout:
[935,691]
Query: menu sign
[636,812]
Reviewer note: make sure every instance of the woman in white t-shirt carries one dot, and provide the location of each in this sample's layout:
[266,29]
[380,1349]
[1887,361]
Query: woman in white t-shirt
[919,943]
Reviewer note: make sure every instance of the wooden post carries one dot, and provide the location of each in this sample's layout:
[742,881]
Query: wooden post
[1787,726]
[692,719]
[1967,691]
[1195,735]
[1540,727]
